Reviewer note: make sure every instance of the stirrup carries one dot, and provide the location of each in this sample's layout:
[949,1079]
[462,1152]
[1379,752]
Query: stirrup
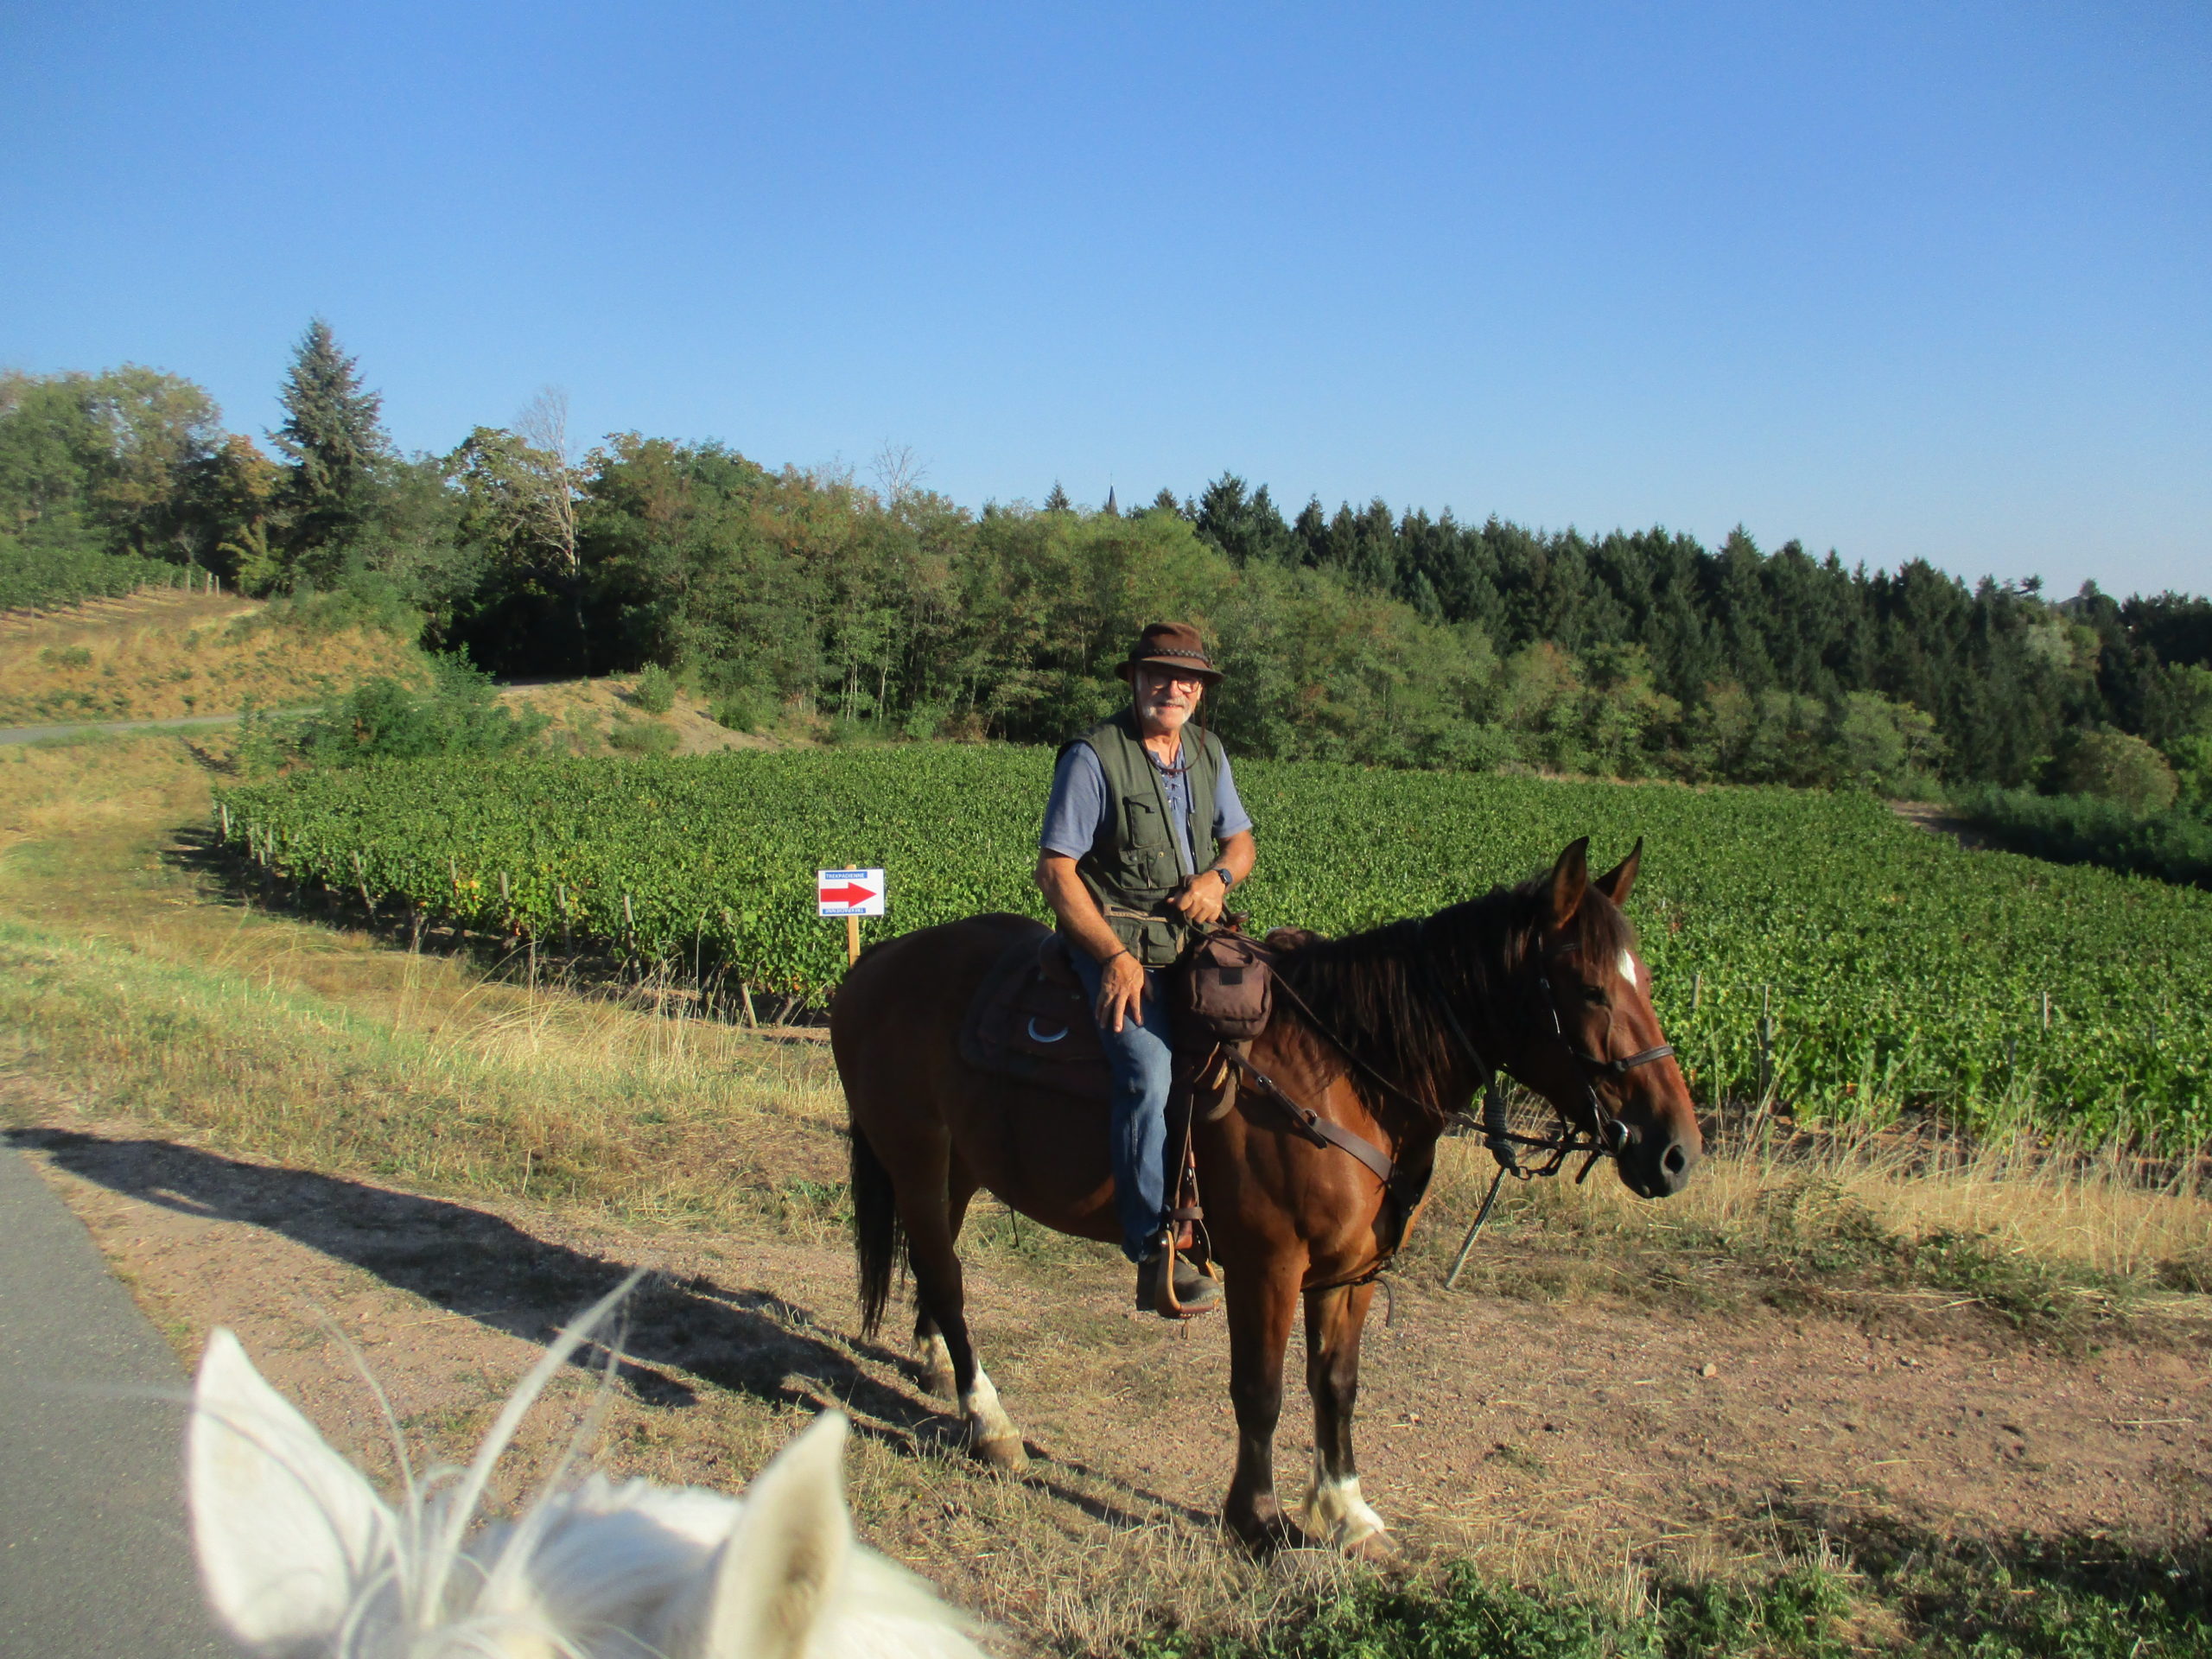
[1165,1302]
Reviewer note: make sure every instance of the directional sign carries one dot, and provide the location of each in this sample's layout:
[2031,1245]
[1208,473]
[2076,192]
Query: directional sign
[849,892]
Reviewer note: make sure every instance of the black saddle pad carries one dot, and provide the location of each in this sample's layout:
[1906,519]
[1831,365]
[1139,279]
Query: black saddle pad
[1030,1020]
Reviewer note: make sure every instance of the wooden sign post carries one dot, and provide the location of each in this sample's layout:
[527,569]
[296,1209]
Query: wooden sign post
[851,894]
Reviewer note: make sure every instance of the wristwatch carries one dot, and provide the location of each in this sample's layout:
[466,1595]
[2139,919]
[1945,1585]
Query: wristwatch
[1227,880]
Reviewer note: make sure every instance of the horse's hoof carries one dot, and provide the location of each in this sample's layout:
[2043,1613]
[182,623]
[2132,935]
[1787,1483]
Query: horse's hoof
[939,1385]
[1266,1535]
[1376,1548]
[1004,1452]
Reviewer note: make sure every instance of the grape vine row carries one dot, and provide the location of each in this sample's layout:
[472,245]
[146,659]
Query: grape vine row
[1807,945]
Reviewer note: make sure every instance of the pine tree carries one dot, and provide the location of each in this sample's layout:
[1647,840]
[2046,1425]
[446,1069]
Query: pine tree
[332,436]
[1058,501]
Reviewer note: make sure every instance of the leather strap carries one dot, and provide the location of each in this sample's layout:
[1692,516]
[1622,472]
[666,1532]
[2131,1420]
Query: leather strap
[1320,1130]
[1621,1068]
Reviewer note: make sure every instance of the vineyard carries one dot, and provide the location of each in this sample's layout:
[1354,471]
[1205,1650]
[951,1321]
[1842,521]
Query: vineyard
[1804,946]
[46,578]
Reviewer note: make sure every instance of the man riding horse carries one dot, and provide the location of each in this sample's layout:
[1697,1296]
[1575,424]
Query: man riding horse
[1143,839]
[1317,1157]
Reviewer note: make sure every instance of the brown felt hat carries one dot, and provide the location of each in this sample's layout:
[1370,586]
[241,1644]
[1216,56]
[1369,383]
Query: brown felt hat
[1172,645]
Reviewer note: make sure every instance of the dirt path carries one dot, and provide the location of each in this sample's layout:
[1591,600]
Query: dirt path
[1526,1434]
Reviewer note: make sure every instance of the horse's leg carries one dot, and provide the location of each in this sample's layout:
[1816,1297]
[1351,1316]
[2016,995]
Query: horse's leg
[929,1348]
[931,1223]
[1333,1512]
[1260,1305]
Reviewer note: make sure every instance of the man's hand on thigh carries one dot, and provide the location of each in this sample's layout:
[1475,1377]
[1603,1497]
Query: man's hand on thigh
[1121,989]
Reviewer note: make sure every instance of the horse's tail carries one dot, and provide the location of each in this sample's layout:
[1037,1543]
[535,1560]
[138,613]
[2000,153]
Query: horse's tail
[877,1237]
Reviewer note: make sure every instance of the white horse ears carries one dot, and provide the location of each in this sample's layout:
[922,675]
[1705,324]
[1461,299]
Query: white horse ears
[286,1532]
[300,1557]
[783,1564]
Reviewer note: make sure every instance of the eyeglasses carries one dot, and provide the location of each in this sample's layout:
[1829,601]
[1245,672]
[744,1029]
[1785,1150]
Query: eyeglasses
[1168,676]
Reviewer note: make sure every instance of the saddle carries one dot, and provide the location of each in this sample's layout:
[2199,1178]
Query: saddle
[1030,1020]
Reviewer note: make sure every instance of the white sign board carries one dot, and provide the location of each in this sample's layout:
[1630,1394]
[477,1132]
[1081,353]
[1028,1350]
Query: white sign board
[849,892]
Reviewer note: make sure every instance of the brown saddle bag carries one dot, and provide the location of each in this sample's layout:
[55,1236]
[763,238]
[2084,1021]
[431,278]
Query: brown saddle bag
[1225,991]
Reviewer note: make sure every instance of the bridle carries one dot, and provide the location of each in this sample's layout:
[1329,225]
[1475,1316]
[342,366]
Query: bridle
[1604,1135]
[1605,1128]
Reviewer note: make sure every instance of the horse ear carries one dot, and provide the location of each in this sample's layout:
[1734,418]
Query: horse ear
[1570,880]
[781,1566]
[286,1532]
[1616,883]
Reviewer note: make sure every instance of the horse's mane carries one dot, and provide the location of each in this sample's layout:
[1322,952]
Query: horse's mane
[1372,991]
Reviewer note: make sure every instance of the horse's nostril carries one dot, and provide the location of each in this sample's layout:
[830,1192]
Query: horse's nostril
[1674,1163]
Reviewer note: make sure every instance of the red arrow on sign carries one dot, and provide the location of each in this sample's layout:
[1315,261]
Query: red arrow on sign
[851,894]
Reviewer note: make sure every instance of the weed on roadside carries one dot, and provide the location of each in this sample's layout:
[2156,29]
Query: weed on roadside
[1795,1233]
[2079,1600]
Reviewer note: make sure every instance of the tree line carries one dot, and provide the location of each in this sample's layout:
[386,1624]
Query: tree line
[1370,634]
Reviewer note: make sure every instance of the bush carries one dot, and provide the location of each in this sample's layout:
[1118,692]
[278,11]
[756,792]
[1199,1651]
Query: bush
[361,599]
[2170,846]
[656,690]
[640,736]
[748,710]
[459,713]
[2114,766]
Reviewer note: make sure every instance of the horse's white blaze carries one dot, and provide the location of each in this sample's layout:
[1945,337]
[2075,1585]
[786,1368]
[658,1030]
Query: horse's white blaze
[1628,965]
[1335,1512]
[987,1418]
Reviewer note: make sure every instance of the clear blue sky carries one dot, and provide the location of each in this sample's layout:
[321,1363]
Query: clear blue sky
[1897,279]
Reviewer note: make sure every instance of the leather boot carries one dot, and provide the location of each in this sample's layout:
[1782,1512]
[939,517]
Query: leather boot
[1197,1294]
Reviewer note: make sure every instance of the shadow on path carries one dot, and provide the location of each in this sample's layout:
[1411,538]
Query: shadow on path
[750,1341]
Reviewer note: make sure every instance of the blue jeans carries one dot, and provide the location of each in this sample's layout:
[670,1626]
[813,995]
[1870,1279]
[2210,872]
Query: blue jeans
[1143,1060]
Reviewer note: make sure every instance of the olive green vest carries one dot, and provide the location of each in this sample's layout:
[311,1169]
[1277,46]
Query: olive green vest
[1136,860]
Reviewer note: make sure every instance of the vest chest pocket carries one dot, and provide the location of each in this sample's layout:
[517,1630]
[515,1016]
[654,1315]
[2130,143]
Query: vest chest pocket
[1148,830]
[1148,856]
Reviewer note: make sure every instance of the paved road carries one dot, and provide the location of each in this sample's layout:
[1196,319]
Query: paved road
[32,733]
[95,1562]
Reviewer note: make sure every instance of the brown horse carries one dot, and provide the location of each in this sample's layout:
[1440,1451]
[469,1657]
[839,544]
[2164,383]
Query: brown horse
[1405,1022]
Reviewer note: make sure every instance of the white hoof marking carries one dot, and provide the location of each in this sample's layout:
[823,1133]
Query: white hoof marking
[936,1357]
[1334,1513]
[987,1418]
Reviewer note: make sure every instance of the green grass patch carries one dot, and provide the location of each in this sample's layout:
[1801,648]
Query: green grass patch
[2072,1600]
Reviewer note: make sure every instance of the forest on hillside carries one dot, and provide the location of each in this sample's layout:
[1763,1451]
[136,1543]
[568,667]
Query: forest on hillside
[1370,634]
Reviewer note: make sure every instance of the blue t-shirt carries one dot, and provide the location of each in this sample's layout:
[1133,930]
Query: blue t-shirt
[1077,812]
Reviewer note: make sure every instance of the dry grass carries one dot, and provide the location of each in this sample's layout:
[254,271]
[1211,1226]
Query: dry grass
[2039,1236]
[160,656]
[602,717]
[324,1046]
